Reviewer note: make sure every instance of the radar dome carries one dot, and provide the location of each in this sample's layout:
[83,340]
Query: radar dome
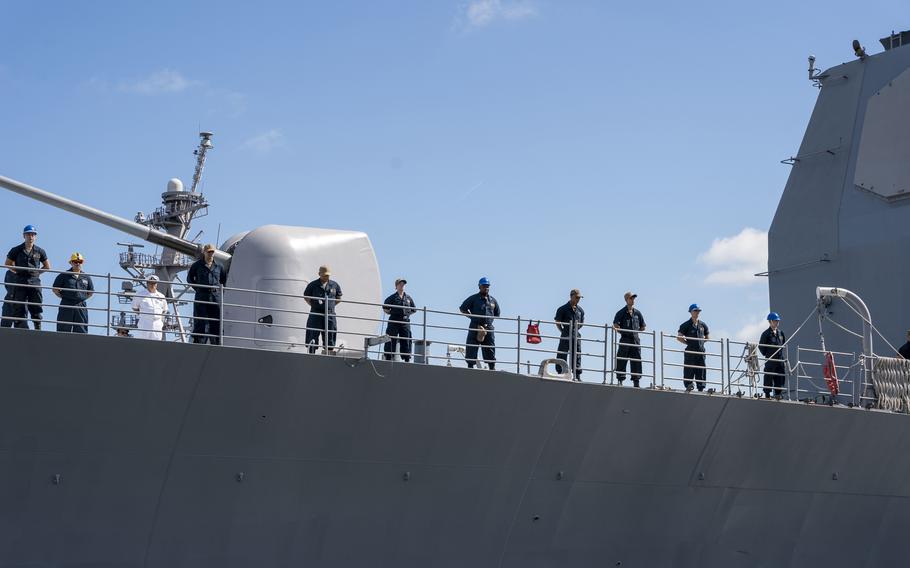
[174,184]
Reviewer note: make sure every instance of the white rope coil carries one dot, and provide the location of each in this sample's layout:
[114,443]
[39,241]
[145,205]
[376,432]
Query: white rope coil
[891,378]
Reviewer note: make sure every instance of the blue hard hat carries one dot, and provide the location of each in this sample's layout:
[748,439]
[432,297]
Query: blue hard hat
[694,307]
[483,281]
[774,316]
[29,229]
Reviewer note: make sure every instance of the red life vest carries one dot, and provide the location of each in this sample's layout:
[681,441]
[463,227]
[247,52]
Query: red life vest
[533,334]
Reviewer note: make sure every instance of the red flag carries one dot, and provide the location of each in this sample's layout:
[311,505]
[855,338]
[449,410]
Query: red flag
[830,373]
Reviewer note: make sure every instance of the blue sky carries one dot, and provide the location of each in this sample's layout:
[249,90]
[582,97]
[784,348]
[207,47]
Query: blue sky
[547,145]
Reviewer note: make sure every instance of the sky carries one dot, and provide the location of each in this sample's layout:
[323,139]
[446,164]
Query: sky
[546,145]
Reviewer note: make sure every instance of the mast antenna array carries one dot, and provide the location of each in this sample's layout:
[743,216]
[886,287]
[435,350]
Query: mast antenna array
[205,144]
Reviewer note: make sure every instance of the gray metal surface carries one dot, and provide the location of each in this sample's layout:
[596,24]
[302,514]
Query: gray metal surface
[388,464]
[828,228]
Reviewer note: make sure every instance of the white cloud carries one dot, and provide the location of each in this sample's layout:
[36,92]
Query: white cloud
[226,102]
[481,13]
[735,260]
[162,82]
[751,331]
[265,142]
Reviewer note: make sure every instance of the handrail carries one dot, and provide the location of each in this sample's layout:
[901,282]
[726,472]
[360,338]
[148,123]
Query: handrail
[658,353]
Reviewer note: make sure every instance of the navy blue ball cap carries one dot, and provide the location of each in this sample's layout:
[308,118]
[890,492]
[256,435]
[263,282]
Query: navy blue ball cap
[694,308]
[30,229]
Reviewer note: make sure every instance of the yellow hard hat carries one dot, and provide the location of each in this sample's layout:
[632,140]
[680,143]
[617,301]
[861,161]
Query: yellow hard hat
[77,257]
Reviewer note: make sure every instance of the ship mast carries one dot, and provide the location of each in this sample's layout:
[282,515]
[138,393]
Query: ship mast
[175,217]
[205,144]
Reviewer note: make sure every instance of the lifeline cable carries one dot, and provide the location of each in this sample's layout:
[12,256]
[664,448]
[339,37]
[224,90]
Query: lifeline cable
[875,329]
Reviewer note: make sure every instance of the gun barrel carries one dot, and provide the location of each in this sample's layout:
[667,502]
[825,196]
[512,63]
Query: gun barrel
[132,228]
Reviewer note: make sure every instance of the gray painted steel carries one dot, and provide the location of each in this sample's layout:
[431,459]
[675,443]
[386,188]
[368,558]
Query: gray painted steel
[503,470]
[830,231]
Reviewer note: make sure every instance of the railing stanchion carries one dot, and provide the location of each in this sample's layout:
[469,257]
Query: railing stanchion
[325,326]
[660,337]
[787,371]
[426,348]
[381,348]
[653,359]
[108,326]
[725,349]
[518,353]
[606,350]
[573,345]
[221,314]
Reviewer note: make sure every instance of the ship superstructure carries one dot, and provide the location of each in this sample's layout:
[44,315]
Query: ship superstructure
[844,216]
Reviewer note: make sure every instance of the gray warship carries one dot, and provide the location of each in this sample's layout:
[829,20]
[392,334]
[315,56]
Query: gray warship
[256,453]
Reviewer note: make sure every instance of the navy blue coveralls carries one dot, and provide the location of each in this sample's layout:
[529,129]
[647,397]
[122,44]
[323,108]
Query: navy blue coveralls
[399,328]
[8,307]
[75,288]
[322,313]
[629,350]
[694,358]
[572,320]
[206,307]
[775,369]
[27,274]
[905,350]
[483,309]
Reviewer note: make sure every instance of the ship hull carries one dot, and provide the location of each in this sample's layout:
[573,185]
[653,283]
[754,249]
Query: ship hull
[117,452]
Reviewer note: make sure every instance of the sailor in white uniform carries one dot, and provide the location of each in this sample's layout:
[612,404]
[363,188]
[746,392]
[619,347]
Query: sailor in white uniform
[151,305]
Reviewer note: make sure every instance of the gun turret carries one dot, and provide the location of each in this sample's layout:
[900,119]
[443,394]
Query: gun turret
[267,275]
[143,232]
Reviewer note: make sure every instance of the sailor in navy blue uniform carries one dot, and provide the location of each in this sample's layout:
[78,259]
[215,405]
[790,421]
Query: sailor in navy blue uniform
[8,279]
[322,295]
[693,333]
[771,347]
[481,308]
[628,322]
[73,288]
[24,261]
[399,306]
[569,318]
[206,276]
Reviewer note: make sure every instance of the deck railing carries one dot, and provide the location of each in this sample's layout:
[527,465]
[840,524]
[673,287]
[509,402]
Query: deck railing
[438,337]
